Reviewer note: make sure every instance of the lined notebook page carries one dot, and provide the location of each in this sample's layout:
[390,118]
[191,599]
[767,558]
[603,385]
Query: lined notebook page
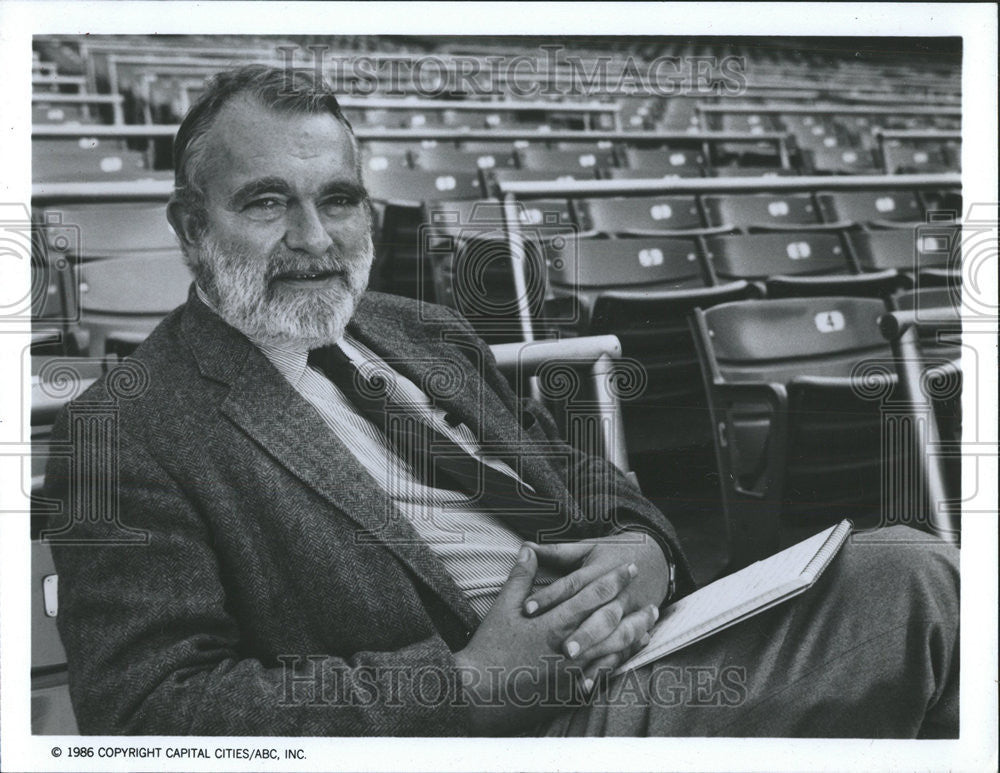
[741,595]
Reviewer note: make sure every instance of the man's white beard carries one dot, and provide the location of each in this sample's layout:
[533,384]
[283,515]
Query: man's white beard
[239,285]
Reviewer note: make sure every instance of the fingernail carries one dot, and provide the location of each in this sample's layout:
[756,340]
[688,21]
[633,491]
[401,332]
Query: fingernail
[656,614]
[572,649]
[524,554]
[531,606]
[588,684]
[644,640]
[633,570]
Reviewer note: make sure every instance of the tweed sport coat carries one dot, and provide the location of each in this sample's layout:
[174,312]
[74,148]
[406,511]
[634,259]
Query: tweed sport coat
[277,593]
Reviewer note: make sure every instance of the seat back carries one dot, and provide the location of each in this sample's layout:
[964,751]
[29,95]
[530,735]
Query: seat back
[413,186]
[909,250]
[638,216]
[123,299]
[762,255]
[661,162]
[91,165]
[111,230]
[642,289]
[841,160]
[798,434]
[448,159]
[589,158]
[589,264]
[760,210]
[778,341]
[921,158]
[870,206]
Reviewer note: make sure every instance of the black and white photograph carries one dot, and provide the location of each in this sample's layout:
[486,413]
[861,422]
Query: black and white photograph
[495,386]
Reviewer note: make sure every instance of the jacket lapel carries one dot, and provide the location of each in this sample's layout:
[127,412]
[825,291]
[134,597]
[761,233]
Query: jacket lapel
[262,404]
[433,362]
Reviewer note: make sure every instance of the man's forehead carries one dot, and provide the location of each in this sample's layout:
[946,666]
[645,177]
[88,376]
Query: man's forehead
[249,139]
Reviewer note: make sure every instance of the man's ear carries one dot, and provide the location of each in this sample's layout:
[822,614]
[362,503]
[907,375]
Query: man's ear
[186,224]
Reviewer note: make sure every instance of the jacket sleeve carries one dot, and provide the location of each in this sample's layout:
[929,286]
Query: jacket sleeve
[153,649]
[607,499]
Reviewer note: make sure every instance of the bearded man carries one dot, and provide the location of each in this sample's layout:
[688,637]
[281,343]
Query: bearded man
[302,575]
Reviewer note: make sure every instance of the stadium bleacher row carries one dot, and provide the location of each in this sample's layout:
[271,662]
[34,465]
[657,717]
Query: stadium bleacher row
[742,247]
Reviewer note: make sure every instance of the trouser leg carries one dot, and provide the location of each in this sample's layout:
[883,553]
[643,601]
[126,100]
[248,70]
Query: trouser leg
[870,651]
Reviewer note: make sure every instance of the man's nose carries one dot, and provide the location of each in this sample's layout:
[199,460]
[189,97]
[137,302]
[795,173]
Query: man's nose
[305,231]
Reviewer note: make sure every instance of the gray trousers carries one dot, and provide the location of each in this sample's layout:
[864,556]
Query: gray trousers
[870,651]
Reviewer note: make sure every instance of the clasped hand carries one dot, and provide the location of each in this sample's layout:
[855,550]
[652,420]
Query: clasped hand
[581,626]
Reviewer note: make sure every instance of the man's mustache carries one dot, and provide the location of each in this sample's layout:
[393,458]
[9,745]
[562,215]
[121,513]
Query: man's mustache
[287,262]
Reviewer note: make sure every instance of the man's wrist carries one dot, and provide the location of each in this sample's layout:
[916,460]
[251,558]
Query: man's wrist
[665,548]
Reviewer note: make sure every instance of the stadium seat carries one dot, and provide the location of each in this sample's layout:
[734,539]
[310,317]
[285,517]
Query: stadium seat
[642,290]
[376,161]
[752,123]
[54,282]
[638,216]
[818,133]
[419,119]
[929,253]
[887,208]
[586,265]
[904,158]
[734,170]
[399,267]
[798,438]
[466,245]
[411,187]
[942,205]
[110,230]
[751,155]
[448,159]
[761,211]
[760,255]
[840,160]
[70,145]
[92,165]
[664,162]
[589,158]
[61,114]
[123,299]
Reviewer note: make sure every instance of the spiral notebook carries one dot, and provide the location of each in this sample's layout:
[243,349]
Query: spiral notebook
[741,595]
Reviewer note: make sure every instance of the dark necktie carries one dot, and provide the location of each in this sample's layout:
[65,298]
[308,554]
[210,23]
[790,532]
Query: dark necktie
[435,459]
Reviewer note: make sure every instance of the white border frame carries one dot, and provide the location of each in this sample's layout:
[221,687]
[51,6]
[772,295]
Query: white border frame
[976,23]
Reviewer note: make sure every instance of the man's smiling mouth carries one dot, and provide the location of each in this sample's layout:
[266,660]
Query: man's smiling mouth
[305,276]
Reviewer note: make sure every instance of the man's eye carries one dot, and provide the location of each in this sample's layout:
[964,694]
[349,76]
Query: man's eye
[265,206]
[338,202]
